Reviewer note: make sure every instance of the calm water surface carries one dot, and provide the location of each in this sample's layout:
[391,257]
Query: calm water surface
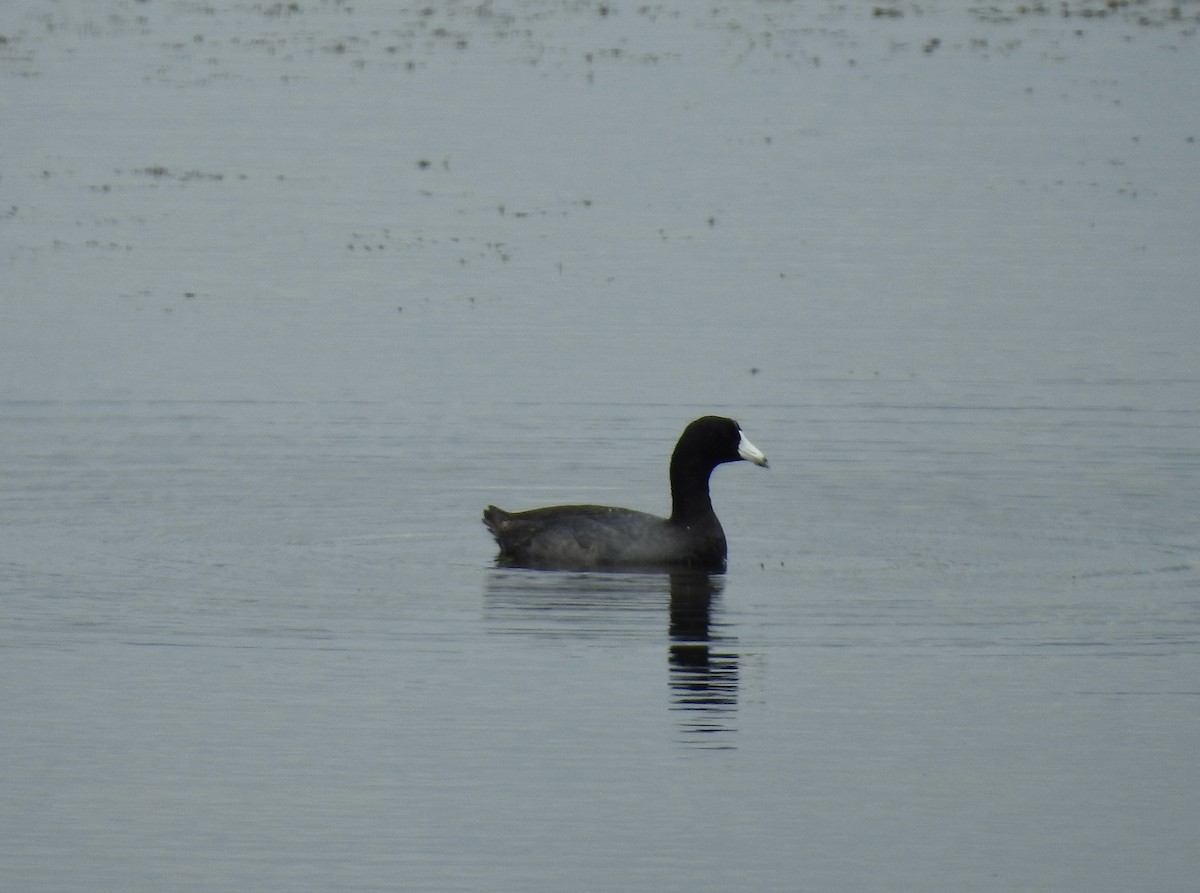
[293,291]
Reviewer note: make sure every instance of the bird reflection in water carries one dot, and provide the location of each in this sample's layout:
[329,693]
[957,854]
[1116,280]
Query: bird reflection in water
[702,665]
[704,672]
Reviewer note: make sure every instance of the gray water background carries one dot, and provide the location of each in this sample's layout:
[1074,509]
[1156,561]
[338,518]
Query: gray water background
[291,291]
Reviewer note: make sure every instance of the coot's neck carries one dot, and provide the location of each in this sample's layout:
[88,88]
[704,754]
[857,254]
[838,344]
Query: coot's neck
[689,488]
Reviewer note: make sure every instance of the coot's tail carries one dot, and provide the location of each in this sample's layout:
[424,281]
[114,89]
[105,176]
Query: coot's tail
[494,519]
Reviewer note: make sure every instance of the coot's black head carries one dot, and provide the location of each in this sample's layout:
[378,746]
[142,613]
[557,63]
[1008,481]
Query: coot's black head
[711,440]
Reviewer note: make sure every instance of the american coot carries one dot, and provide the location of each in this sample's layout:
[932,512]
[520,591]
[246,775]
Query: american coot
[597,537]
